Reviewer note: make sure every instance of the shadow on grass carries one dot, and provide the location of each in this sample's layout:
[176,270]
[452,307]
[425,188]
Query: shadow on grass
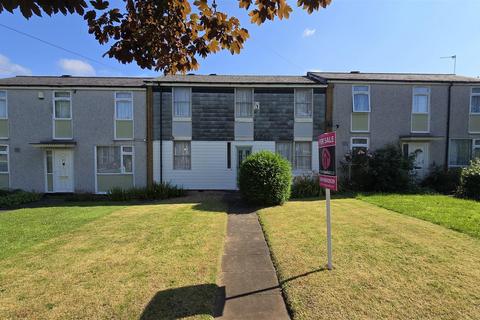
[204,299]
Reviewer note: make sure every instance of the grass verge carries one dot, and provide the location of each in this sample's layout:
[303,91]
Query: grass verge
[387,265]
[457,214]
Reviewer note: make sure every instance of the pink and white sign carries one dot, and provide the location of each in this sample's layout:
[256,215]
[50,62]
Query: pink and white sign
[327,170]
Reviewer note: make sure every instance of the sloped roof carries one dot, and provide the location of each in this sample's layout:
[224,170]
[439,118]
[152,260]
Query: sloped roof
[70,81]
[237,79]
[399,77]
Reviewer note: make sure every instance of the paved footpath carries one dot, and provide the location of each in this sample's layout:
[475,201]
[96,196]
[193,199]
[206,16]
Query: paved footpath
[249,279]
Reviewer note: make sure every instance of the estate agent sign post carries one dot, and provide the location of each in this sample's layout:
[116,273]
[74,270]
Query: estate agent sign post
[328,179]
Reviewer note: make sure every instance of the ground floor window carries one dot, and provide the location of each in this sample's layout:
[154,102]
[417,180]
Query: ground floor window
[285,150]
[115,159]
[359,145]
[476,148]
[460,152]
[303,155]
[3,159]
[182,155]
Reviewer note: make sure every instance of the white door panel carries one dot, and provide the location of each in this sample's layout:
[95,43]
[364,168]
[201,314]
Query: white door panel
[63,171]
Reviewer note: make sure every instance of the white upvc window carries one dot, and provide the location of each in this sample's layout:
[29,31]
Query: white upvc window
[123,105]
[460,152]
[182,155]
[359,145]
[361,98]
[3,105]
[476,148]
[4,165]
[303,104]
[62,105]
[244,104]
[303,155]
[421,100]
[284,148]
[115,159]
[182,103]
[475,101]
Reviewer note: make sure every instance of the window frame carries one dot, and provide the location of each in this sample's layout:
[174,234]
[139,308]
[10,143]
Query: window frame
[173,155]
[450,165]
[7,153]
[472,94]
[6,104]
[54,116]
[182,118]
[294,151]
[302,119]
[356,92]
[413,106]
[357,145]
[115,118]
[122,153]
[475,146]
[243,119]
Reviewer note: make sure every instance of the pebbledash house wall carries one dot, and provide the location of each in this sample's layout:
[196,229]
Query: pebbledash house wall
[213,126]
[30,121]
[390,116]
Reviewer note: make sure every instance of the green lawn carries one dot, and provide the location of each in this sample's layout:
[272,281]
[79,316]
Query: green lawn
[456,214]
[387,265]
[111,262]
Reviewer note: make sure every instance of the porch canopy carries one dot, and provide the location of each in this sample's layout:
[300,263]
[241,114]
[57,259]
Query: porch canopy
[54,144]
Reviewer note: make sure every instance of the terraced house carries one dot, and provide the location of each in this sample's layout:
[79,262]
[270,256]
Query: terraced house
[90,134]
[72,134]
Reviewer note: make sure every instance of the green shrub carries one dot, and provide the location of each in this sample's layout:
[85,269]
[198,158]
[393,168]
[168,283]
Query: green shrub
[85,197]
[15,198]
[265,178]
[441,180]
[384,170]
[470,181]
[306,186]
[157,191]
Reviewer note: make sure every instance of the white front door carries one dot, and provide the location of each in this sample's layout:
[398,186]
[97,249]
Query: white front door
[62,171]
[420,151]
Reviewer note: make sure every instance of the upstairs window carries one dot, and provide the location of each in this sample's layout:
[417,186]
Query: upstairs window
[475,101]
[303,103]
[244,103]
[181,155]
[3,105]
[421,100]
[123,106]
[361,98]
[182,101]
[63,105]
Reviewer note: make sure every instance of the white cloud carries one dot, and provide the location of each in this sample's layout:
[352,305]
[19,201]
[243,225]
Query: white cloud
[76,67]
[8,68]
[308,32]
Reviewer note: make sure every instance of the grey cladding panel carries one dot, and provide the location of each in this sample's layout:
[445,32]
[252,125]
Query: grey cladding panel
[319,113]
[274,121]
[166,105]
[213,114]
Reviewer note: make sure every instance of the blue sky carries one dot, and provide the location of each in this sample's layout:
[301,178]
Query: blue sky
[365,35]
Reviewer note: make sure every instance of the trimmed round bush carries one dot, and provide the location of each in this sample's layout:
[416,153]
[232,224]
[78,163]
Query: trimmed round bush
[265,178]
[470,180]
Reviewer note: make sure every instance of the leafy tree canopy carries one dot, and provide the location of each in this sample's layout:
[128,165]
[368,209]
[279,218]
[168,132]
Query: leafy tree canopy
[167,35]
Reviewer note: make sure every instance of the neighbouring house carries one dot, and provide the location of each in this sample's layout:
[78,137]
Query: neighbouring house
[72,134]
[204,126]
[434,116]
[90,134]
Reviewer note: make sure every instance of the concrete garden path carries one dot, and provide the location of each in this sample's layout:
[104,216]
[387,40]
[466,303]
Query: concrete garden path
[248,277]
